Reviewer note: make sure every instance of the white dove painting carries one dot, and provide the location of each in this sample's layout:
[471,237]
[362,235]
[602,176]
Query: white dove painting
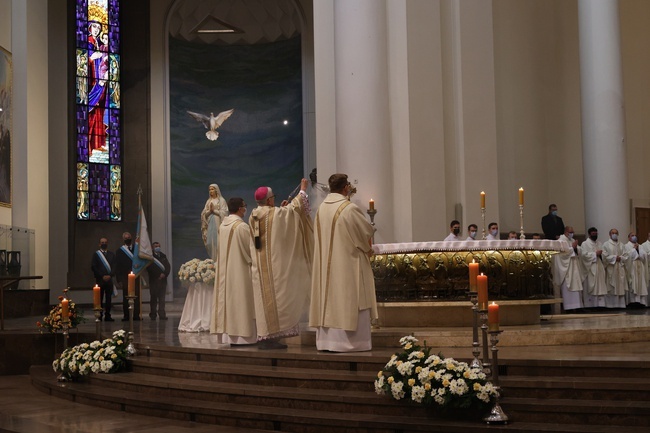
[211,123]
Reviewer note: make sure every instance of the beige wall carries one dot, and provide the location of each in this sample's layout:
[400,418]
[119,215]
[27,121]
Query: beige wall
[5,42]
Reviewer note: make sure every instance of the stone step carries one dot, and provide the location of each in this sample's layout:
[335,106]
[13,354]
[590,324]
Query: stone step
[282,418]
[591,388]
[575,368]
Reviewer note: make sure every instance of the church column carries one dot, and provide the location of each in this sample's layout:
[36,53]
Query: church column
[362,115]
[603,125]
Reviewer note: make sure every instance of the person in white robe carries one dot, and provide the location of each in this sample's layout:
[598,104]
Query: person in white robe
[594,285]
[472,230]
[493,232]
[646,248]
[567,273]
[614,259]
[233,317]
[343,300]
[454,232]
[635,268]
[282,247]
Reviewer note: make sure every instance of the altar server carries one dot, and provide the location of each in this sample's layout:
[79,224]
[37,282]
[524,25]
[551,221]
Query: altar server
[343,298]
[454,231]
[594,285]
[635,269]
[567,273]
[282,244]
[233,316]
[614,258]
[472,229]
[493,232]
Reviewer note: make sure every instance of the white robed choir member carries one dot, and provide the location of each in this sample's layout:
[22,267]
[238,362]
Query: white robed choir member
[646,248]
[614,259]
[343,300]
[234,307]
[635,269]
[567,272]
[594,285]
[282,246]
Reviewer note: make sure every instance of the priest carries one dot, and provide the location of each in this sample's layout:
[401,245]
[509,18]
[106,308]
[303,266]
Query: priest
[343,298]
[282,243]
[233,317]
[614,259]
[635,270]
[567,273]
[594,287]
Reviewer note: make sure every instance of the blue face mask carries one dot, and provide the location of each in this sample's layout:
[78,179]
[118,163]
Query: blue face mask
[472,234]
[157,249]
[614,237]
[494,232]
[634,239]
[554,213]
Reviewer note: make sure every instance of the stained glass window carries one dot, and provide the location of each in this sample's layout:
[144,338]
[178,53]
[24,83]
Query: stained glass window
[97,96]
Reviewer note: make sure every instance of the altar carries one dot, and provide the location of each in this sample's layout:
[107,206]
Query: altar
[426,283]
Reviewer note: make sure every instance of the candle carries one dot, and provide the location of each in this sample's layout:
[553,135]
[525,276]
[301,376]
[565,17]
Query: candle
[371,203]
[482,199]
[493,317]
[65,312]
[131,284]
[481,281]
[521,196]
[473,273]
[97,297]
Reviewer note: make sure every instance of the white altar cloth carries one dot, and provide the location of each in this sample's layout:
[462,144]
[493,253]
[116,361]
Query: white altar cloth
[197,311]
[480,245]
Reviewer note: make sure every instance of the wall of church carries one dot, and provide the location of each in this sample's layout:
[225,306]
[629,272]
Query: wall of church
[5,42]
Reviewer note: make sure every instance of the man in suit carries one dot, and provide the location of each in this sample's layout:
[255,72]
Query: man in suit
[102,266]
[158,273]
[552,225]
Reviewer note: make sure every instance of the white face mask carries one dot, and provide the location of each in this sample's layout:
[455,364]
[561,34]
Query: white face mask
[634,239]
[614,237]
[570,236]
[494,232]
[472,235]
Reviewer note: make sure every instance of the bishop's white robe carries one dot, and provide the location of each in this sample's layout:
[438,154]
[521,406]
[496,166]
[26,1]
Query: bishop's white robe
[233,315]
[343,299]
[615,274]
[281,266]
[635,268]
[646,249]
[594,285]
[568,276]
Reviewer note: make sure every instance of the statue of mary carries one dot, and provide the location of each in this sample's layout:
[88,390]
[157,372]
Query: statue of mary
[213,213]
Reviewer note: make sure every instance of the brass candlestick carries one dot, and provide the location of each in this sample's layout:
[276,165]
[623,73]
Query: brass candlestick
[130,348]
[476,346]
[497,415]
[98,323]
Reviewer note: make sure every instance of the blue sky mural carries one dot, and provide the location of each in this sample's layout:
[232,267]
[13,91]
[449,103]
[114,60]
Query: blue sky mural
[255,147]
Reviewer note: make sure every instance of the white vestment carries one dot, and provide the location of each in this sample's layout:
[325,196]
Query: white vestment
[452,237]
[343,299]
[615,273]
[234,307]
[646,249]
[567,276]
[491,237]
[635,268]
[594,286]
[281,266]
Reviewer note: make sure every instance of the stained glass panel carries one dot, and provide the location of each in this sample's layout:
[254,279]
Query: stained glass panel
[97,95]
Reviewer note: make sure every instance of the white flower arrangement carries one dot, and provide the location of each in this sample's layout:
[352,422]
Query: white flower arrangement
[108,356]
[433,380]
[196,270]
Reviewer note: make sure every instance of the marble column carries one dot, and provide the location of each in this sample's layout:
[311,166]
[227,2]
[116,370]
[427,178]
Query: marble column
[603,123]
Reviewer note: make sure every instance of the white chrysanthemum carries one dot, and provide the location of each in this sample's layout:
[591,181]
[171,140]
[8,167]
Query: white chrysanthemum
[423,376]
[396,390]
[433,360]
[94,367]
[438,399]
[417,393]
[379,383]
[458,387]
[94,345]
[55,365]
[417,354]
[405,368]
[408,339]
[106,366]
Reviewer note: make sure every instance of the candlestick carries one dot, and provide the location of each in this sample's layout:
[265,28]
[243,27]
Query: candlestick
[98,323]
[371,204]
[130,348]
[473,273]
[131,284]
[497,415]
[476,346]
[66,324]
[493,317]
[483,219]
[65,311]
[521,222]
[521,196]
[482,199]
[97,297]
[371,213]
[482,283]
[484,328]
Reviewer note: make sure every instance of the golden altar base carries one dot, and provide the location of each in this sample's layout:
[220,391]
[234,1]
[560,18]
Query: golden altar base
[427,283]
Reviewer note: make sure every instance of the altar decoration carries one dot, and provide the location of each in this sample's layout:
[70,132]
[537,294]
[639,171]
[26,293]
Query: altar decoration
[54,321]
[197,271]
[441,383]
[107,356]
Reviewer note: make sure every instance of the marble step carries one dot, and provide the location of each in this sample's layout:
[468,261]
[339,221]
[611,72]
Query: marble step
[575,368]
[591,388]
[285,419]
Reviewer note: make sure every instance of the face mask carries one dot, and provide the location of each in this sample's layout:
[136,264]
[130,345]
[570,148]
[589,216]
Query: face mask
[104,246]
[456,231]
[472,235]
[593,237]
[554,213]
[494,232]
[614,237]
[157,249]
[634,239]
[570,235]
[127,241]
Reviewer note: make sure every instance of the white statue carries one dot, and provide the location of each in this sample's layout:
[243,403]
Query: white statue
[215,210]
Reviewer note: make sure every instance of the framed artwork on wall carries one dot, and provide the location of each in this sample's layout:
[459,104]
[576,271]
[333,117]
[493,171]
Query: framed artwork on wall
[6,87]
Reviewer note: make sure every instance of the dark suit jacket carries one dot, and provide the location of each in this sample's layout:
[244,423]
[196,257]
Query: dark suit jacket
[552,226]
[98,268]
[123,265]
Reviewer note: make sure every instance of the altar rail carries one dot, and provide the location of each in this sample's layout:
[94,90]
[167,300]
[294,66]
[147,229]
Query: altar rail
[438,271]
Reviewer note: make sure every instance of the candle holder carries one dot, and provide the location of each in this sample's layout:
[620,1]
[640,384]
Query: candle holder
[66,326]
[372,213]
[98,323]
[484,327]
[130,348]
[497,415]
[521,222]
[483,219]
[476,346]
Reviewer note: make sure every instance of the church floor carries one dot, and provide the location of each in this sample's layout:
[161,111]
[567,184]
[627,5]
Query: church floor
[23,409]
